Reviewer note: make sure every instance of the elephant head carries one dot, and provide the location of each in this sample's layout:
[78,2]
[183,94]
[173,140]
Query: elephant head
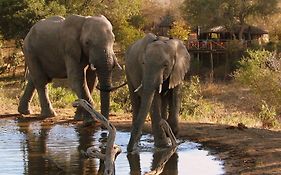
[97,44]
[164,63]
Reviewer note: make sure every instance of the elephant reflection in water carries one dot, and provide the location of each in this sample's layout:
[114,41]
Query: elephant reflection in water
[41,158]
[164,162]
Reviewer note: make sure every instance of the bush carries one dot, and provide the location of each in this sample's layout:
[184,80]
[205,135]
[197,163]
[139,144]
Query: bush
[179,30]
[59,96]
[120,101]
[260,72]
[191,97]
[267,116]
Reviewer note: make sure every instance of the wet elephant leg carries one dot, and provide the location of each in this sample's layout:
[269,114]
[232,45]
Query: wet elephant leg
[135,100]
[27,96]
[160,139]
[174,109]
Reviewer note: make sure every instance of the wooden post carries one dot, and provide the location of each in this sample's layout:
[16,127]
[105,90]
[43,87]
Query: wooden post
[226,71]
[212,63]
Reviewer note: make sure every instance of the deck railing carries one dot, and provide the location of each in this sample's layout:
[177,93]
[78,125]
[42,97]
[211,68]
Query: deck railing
[209,45]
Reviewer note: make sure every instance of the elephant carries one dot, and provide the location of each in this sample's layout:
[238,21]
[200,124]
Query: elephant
[79,48]
[155,71]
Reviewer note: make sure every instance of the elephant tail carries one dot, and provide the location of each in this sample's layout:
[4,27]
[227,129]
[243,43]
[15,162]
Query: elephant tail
[26,71]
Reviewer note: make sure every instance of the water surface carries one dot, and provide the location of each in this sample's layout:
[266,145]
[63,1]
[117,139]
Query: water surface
[32,148]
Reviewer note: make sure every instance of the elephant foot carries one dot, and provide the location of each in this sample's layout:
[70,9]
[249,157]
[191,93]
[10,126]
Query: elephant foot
[48,114]
[162,143]
[23,110]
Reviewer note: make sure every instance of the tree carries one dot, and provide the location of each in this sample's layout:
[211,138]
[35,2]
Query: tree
[179,30]
[17,16]
[120,13]
[209,13]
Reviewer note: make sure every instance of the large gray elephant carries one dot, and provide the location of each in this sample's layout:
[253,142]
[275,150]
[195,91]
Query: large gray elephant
[76,47]
[155,70]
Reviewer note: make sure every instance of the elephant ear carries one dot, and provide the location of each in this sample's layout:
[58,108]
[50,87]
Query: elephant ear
[181,63]
[71,31]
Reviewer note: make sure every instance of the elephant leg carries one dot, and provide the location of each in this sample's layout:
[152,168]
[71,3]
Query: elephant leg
[160,138]
[46,106]
[174,109]
[135,101]
[77,79]
[91,83]
[164,110]
[40,80]
[27,96]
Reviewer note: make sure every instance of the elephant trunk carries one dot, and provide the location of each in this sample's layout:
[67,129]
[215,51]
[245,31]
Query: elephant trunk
[146,101]
[105,78]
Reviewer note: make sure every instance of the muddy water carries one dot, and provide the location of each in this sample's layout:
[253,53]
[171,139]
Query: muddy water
[34,149]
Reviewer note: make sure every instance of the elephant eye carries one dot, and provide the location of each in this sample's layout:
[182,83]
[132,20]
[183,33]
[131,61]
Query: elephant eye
[87,43]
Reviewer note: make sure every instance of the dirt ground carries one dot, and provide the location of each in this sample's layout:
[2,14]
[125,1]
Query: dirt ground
[243,150]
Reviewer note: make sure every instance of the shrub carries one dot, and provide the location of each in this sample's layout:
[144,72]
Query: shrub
[120,101]
[179,30]
[191,97]
[59,96]
[267,116]
[259,71]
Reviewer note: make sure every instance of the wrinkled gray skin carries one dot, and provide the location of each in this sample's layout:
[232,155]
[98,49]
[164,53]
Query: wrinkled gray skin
[154,62]
[59,47]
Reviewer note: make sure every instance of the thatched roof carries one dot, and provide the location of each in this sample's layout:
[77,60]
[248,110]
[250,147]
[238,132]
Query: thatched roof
[236,29]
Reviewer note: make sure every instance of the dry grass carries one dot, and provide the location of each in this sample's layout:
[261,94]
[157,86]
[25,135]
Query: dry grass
[222,103]
[227,103]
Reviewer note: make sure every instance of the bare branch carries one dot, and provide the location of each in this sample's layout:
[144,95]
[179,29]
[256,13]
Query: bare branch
[111,149]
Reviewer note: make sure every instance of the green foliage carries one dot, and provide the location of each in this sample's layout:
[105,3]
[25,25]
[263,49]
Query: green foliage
[191,97]
[120,101]
[59,96]
[260,72]
[17,16]
[9,63]
[127,35]
[120,13]
[179,30]
[226,12]
[268,116]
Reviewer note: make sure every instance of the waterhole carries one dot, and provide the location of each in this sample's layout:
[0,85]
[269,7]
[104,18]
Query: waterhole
[34,149]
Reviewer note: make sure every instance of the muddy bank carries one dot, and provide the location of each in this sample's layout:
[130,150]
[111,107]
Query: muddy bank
[244,150]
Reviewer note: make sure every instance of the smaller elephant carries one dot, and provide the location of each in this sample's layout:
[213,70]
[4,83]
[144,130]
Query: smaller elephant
[155,70]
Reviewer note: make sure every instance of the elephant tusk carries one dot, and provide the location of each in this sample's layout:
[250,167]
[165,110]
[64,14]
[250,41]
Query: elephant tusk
[93,67]
[118,65]
[138,88]
[160,88]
